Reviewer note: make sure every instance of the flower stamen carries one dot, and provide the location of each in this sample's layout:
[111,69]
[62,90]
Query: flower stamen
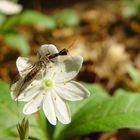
[48,83]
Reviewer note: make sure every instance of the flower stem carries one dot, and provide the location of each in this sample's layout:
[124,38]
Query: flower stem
[50,130]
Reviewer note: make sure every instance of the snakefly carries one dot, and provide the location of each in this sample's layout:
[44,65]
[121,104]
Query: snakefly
[32,71]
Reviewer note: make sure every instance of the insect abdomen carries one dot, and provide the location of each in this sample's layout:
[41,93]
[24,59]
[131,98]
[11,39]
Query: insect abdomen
[37,67]
[31,74]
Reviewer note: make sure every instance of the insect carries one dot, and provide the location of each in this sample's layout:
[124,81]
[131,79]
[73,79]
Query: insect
[32,71]
[42,63]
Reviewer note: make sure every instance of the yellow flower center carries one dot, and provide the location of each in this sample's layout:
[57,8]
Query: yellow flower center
[48,83]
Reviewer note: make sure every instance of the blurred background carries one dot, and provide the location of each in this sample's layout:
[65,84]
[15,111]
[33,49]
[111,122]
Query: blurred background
[105,32]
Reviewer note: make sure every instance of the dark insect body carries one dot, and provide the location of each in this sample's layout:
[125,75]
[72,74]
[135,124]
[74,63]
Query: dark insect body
[42,63]
[39,65]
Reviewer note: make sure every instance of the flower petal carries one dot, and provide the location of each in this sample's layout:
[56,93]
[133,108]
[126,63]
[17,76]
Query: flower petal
[34,105]
[30,92]
[61,109]
[23,65]
[31,89]
[9,8]
[48,108]
[72,91]
[66,70]
[48,49]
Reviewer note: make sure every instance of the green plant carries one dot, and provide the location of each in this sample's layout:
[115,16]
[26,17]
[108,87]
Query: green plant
[67,17]
[11,35]
[132,8]
[19,42]
[98,113]
[135,75]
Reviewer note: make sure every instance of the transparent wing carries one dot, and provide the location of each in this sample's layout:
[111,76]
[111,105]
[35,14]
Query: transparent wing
[18,84]
[22,74]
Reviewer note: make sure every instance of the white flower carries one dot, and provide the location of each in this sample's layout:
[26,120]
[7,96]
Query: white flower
[51,90]
[9,8]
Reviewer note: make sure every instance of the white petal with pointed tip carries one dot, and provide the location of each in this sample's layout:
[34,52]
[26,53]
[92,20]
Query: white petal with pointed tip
[72,91]
[29,97]
[62,110]
[66,70]
[48,108]
[30,92]
[34,105]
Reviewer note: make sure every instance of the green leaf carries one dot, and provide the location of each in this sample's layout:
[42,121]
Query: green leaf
[11,115]
[35,18]
[7,105]
[132,9]
[30,17]
[134,74]
[17,41]
[8,113]
[23,129]
[67,17]
[10,22]
[43,126]
[103,114]
[2,18]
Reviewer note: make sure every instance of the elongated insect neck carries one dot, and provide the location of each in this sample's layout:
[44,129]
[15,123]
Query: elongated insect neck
[63,52]
[53,55]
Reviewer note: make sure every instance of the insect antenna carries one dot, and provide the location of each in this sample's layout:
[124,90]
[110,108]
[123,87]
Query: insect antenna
[65,51]
[71,45]
[75,41]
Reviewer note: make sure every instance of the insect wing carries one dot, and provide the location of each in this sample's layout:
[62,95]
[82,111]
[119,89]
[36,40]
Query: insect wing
[22,74]
[18,85]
